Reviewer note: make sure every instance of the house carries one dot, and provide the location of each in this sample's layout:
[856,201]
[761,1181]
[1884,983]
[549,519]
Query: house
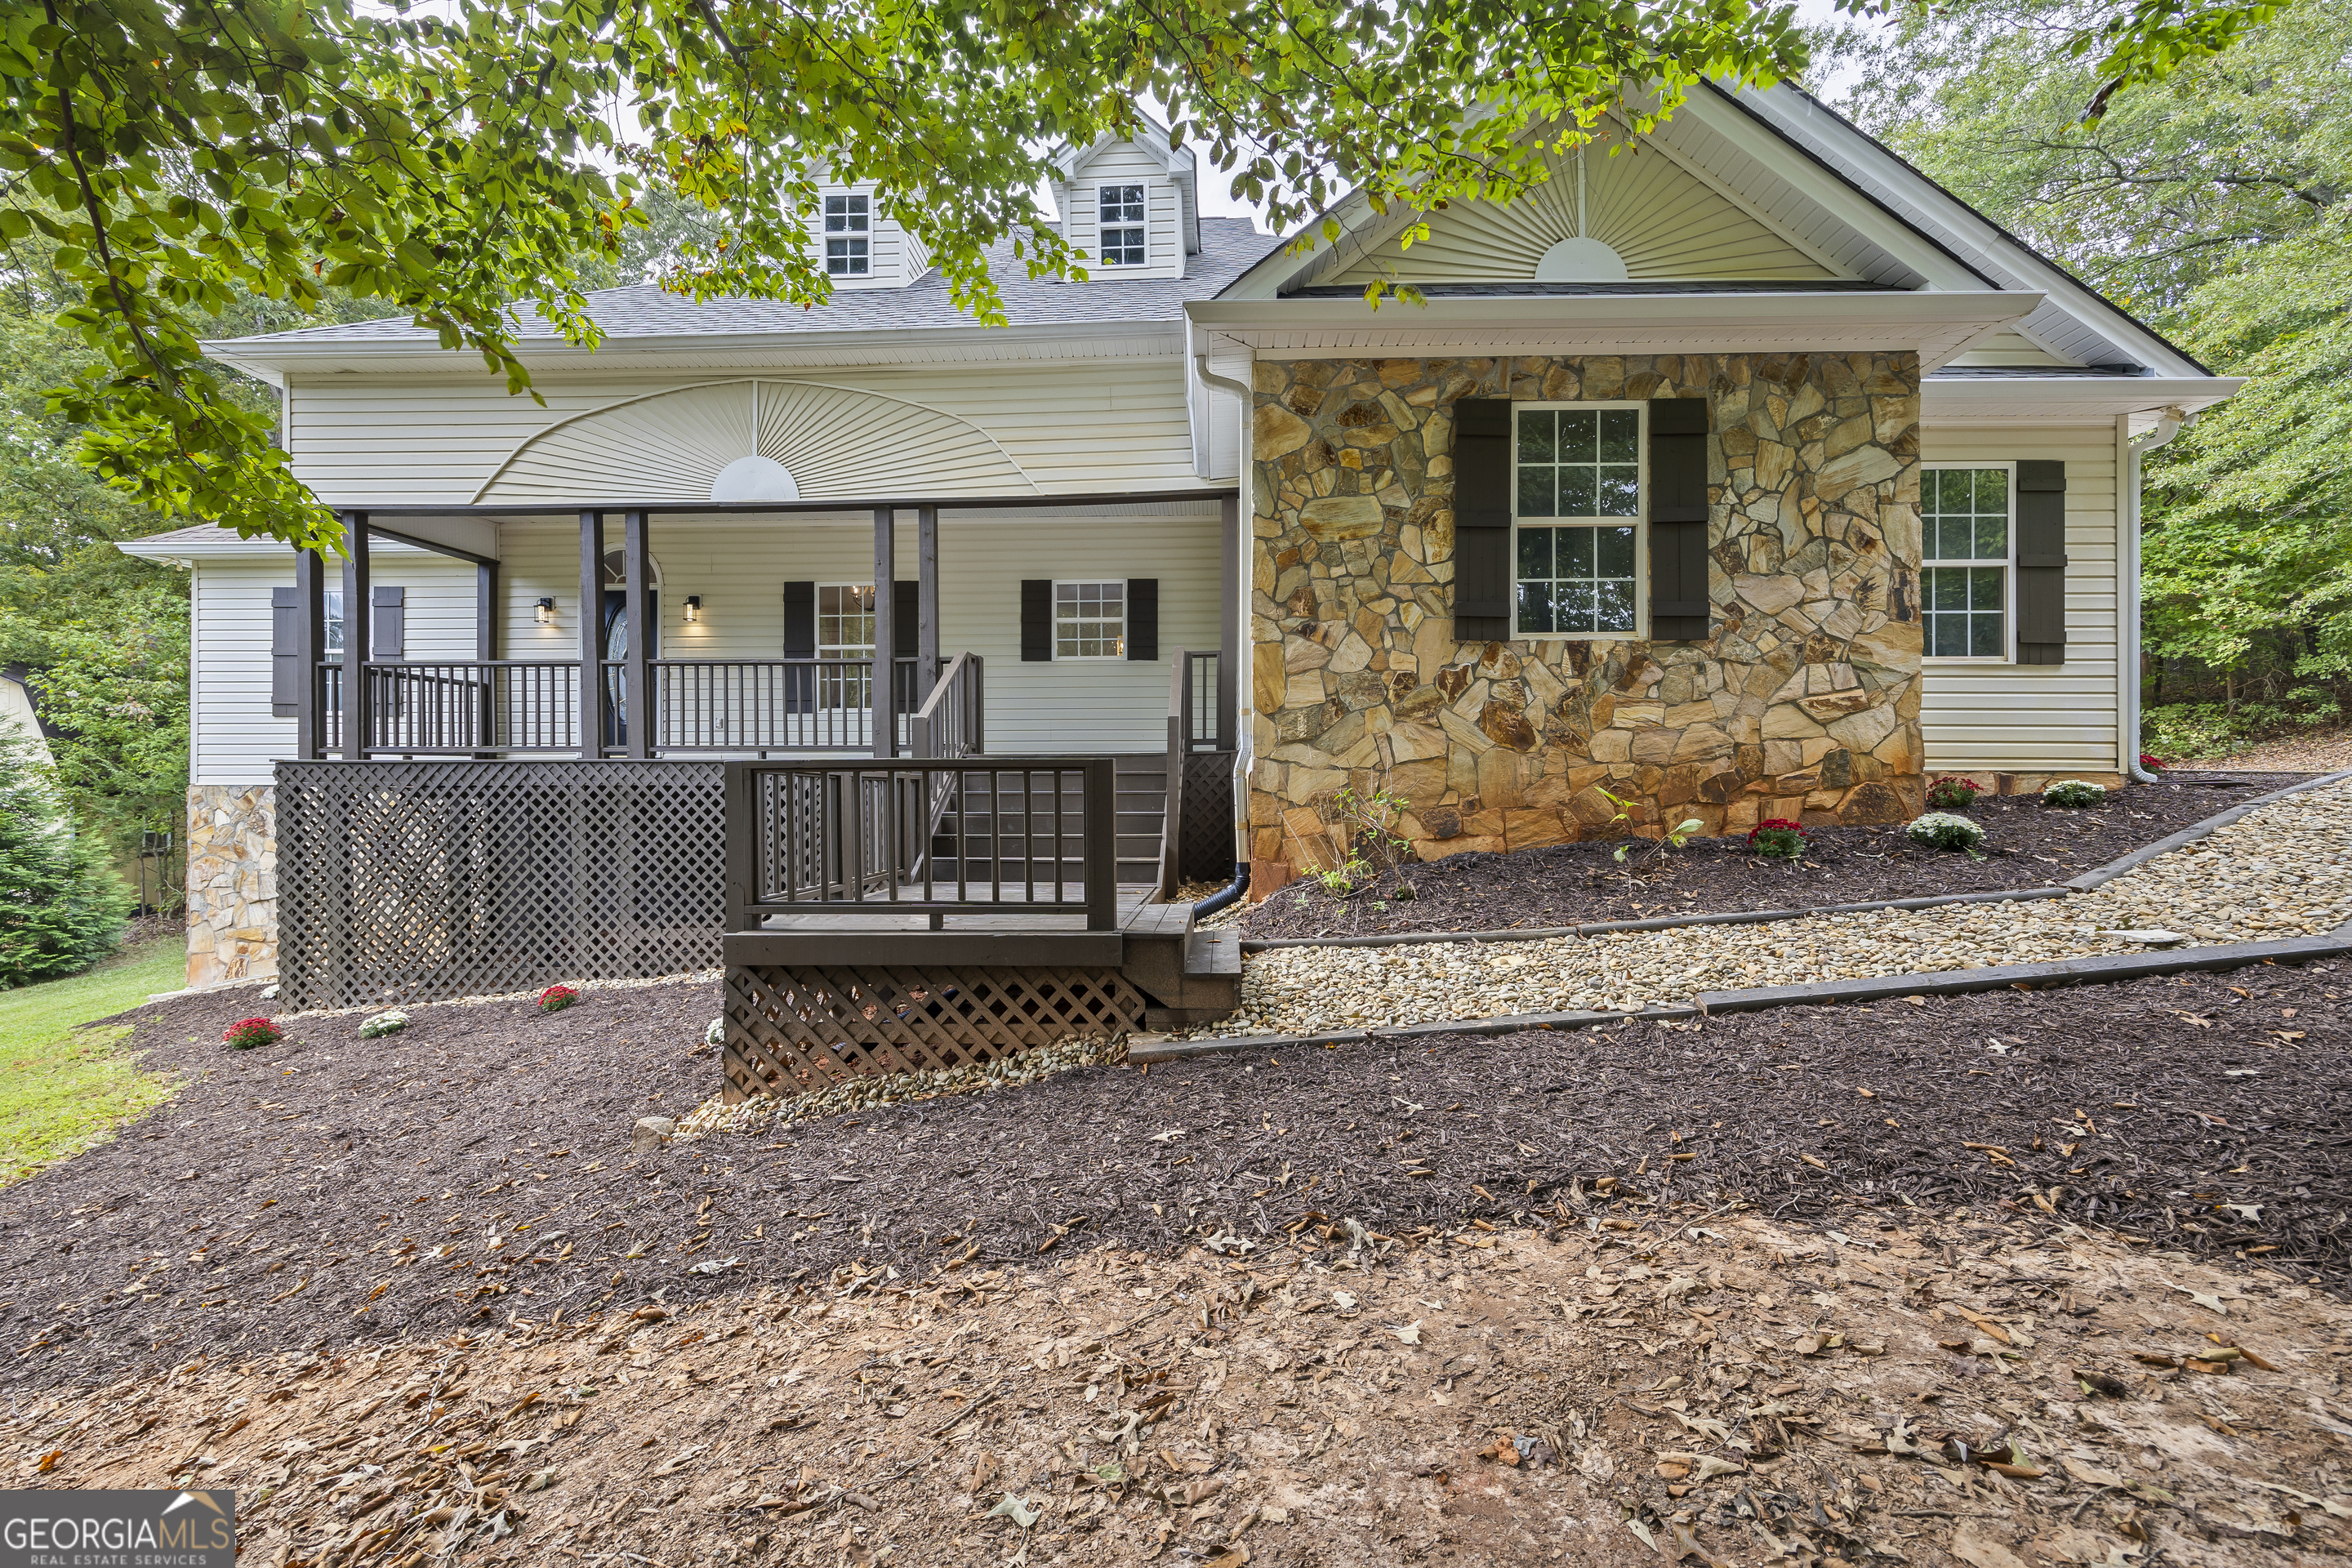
[1739,470]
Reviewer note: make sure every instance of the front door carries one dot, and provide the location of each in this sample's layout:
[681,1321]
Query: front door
[616,647]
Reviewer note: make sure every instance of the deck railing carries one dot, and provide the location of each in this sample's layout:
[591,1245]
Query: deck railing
[1005,834]
[1194,702]
[948,724]
[469,707]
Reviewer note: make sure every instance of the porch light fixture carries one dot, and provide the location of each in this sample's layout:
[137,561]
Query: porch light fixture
[693,608]
[547,612]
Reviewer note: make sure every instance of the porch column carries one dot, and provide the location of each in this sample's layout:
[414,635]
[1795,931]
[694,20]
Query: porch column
[358,636]
[927,599]
[310,647]
[485,717]
[886,634]
[594,709]
[636,677]
[1229,626]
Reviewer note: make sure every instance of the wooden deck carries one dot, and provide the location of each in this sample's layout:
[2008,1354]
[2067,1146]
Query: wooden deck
[871,933]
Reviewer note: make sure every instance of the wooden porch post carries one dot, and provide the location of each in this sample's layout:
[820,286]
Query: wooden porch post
[1229,627]
[927,598]
[636,677]
[358,636]
[486,649]
[594,709]
[886,634]
[310,648]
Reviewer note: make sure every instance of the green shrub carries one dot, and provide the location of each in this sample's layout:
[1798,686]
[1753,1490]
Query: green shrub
[2075,792]
[62,908]
[1942,830]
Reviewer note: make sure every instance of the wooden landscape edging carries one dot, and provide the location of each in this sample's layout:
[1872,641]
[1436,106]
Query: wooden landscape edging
[1828,992]
[2082,884]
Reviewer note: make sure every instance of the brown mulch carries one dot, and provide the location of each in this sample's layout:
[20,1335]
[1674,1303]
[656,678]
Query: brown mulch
[2027,845]
[477,1166]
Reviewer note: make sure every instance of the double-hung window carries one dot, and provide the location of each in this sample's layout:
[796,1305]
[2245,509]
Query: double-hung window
[1120,209]
[1576,518]
[334,652]
[1964,574]
[1091,620]
[849,235]
[845,631]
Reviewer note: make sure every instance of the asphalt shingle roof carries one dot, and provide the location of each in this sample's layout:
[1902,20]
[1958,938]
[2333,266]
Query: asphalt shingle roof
[1229,247]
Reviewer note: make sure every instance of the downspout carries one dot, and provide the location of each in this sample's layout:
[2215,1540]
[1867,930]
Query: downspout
[1240,884]
[2129,451]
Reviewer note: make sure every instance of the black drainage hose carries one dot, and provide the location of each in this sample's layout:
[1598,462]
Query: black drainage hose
[1224,895]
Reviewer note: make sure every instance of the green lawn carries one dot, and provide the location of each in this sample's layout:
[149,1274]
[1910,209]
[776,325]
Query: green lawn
[63,1087]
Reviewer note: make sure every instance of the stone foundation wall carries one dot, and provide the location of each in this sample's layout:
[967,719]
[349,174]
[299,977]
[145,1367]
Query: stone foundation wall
[1803,703]
[232,883]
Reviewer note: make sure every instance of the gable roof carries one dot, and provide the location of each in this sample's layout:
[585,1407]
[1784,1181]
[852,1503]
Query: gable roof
[1800,171]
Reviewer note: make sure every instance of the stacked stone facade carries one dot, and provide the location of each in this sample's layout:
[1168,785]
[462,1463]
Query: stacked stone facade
[232,883]
[1803,703]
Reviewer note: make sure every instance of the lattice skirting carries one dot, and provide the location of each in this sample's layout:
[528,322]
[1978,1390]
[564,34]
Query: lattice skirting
[425,881]
[1205,838]
[791,1029]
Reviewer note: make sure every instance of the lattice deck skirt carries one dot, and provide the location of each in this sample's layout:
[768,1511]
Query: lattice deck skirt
[792,1029]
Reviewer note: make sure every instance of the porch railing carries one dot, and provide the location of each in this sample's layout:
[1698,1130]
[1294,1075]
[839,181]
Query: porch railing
[1194,702]
[470,706]
[948,724]
[1027,835]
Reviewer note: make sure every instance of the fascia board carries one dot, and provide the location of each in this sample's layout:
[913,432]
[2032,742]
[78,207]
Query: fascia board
[2086,399]
[1799,117]
[1653,315]
[885,345]
[177,549]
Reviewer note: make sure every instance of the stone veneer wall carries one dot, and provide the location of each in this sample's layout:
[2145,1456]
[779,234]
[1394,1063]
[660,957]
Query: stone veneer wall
[232,883]
[1804,703]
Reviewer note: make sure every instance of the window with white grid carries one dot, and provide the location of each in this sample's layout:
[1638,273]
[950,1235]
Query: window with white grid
[1091,620]
[1964,571]
[1120,210]
[848,232]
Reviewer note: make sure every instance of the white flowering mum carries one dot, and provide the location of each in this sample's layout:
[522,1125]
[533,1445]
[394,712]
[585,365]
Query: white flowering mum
[2074,792]
[383,1024]
[1943,830]
[717,1034]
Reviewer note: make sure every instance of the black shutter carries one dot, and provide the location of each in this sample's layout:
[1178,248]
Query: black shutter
[1679,606]
[907,619]
[1482,519]
[285,653]
[387,634]
[800,642]
[2041,563]
[1143,618]
[1036,620]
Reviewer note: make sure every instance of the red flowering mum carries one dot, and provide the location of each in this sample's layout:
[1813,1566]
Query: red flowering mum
[1952,793]
[556,998]
[247,1033]
[1778,839]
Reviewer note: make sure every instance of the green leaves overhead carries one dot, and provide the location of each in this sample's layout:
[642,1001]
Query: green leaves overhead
[174,158]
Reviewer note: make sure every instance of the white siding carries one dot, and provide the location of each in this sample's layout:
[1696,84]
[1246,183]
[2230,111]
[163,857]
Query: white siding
[1127,165]
[1093,425]
[739,570]
[2038,718]
[235,738]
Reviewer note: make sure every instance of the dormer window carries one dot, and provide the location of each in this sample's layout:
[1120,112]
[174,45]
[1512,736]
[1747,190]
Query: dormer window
[848,234]
[1122,214]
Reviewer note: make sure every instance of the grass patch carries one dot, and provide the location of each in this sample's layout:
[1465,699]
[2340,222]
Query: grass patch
[64,1087]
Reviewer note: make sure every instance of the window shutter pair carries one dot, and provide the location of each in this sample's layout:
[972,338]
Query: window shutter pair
[1679,605]
[1038,619]
[2041,563]
[387,639]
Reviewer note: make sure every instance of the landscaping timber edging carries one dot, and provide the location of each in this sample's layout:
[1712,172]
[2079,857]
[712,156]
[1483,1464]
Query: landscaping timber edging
[2082,884]
[1827,993]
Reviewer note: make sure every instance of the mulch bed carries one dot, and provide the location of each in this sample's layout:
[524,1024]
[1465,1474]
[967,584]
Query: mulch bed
[475,1166]
[2027,845]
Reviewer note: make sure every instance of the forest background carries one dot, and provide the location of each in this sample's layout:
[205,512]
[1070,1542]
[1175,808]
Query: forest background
[2215,203]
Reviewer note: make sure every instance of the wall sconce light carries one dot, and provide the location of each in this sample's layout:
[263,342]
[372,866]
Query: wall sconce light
[547,612]
[693,609]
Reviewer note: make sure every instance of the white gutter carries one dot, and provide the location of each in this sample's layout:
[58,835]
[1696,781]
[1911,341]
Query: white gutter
[2169,424]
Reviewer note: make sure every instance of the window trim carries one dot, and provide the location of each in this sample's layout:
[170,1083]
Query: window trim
[1639,520]
[1144,225]
[2007,654]
[817,613]
[862,230]
[1054,621]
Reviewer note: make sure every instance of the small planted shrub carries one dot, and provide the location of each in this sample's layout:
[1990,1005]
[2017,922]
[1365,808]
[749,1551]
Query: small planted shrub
[556,998]
[383,1024]
[247,1033]
[1778,839]
[1942,830]
[2075,792]
[1953,792]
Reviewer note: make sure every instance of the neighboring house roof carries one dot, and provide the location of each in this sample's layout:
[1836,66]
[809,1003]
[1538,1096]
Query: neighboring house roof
[645,311]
